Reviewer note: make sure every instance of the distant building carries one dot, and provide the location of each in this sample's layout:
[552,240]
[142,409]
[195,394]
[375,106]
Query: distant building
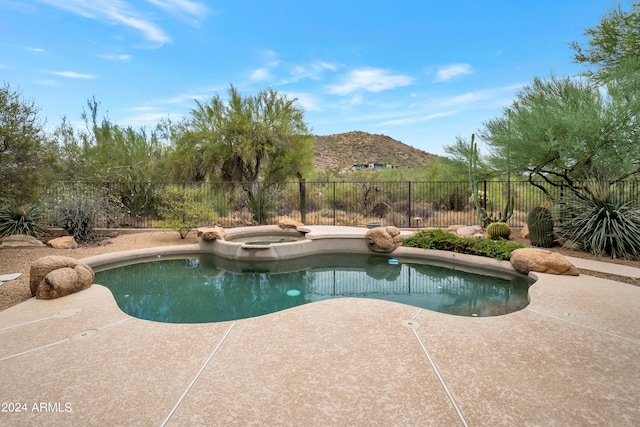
[360,166]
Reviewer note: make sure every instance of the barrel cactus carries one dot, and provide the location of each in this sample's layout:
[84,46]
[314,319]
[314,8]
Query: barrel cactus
[540,225]
[497,230]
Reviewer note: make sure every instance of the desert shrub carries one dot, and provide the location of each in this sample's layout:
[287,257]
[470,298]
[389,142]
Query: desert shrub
[78,216]
[21,219]
[445,241]
[451,199]
[604,221]
[184,208]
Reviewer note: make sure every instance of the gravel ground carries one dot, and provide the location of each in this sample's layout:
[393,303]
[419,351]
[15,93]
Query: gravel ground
[18,260]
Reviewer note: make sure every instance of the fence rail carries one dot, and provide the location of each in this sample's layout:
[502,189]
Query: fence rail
[403,204]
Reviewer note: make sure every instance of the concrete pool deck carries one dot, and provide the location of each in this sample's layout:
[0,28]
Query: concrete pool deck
[570,358]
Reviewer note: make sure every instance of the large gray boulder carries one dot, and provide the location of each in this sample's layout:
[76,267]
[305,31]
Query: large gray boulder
[56,276]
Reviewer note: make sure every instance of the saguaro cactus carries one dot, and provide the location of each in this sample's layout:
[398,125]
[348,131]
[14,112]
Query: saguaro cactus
[482,212]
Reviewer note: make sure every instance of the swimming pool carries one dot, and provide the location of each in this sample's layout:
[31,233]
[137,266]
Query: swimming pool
[209,288]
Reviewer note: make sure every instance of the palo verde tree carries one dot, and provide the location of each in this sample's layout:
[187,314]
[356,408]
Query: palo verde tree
[106,152]
[243,140]
[612,51]
[562,131]
[26,153]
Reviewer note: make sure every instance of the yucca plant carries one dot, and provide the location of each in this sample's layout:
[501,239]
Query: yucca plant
[603,222]
[21,219]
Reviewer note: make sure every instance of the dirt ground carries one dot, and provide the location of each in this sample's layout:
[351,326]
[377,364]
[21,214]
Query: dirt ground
[18,260]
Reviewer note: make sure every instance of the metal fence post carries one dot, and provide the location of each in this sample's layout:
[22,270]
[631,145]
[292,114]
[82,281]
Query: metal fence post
[334,203]
[259,217]
[409,209]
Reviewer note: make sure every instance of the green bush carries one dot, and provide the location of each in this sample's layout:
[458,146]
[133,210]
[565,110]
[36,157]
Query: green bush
[606,221]
[445,241]
[21,219]
[184,208]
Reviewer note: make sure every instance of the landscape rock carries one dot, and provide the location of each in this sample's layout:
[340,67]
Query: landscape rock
[288,223]
[56,276]
[469,231]
[64,242]
[455,227]
[21,241]
[542,261]
[211,233]
[383,239]
[524,233]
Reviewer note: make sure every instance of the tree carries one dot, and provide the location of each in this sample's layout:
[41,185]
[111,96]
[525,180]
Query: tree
[563,131]
[244,140]
[107,152]
[613,50]
[25,151]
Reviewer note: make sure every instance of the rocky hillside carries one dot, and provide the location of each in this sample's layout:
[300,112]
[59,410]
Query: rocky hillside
[342,151]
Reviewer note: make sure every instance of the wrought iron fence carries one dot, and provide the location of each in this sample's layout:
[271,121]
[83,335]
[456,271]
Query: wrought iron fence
[403,204]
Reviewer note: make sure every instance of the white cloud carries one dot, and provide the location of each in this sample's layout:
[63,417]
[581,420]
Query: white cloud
[112,11]
[370,79]
[185,10]
[419,119]
[308,101]
[51,83]
[260,74]
[185,97]
[450,71]
[123,57]
[313,71]
[483,96]
[73,75]
[147,119]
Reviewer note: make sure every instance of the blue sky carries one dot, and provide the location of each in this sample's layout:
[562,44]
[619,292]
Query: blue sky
[422,72]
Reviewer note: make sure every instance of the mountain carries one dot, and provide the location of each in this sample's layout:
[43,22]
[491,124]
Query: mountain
[344,150]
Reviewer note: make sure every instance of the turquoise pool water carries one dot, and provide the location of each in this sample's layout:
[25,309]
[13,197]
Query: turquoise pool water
[208,288]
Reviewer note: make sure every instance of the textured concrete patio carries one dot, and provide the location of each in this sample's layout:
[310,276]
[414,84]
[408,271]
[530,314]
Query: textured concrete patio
[571,358]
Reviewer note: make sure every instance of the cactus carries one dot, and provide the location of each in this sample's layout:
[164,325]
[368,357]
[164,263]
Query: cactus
[481,211]
[497,230]
[540,225]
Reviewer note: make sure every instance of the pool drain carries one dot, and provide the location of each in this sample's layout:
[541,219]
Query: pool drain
[84,334]
[410,324]
[293,292]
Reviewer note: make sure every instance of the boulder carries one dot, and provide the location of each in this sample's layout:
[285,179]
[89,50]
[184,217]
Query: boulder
[455,227]
[288,223]
[383,239]
[524,233]
[21,241]
[56,276]
[211,233]
[64,242]
[542,261]
[469,231]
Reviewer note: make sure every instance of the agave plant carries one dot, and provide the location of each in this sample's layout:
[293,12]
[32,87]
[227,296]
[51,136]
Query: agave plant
[21,219]
[605,221]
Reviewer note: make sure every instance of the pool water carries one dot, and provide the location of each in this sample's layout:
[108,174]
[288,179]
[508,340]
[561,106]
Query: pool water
[208,288]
